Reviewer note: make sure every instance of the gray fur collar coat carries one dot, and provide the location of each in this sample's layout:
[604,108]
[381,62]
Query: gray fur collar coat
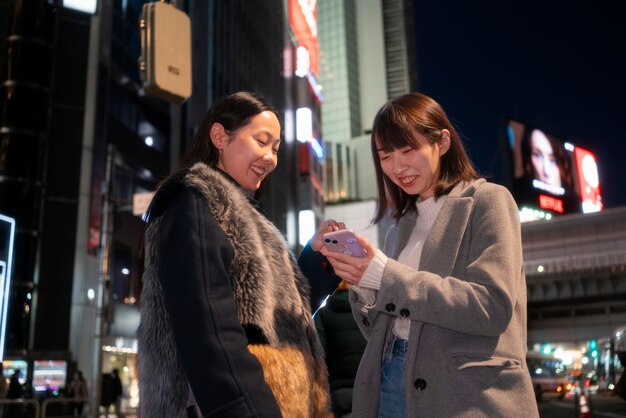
[254,304]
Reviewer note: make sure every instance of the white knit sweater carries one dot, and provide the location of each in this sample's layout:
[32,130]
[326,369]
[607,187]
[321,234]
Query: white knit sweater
[410,255]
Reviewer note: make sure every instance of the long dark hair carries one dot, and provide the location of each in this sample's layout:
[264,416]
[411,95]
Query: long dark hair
[233,112]
[395,126]
[562,160]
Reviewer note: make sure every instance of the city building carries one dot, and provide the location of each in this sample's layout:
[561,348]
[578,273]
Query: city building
[81,141]
[574,253]
[366,58]
[303,120]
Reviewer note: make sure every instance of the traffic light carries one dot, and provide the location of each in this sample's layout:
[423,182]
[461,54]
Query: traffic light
[593,345]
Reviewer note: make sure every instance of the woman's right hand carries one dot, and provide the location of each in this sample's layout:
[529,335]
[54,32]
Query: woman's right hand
[328,225]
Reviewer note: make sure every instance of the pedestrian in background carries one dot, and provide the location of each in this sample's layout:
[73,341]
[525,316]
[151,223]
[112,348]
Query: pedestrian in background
[15,391]
[78,389]
[117,390]
[444,305]
[343,345]
[226,321]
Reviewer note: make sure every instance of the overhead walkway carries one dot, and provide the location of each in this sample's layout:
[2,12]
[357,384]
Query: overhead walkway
[576,276]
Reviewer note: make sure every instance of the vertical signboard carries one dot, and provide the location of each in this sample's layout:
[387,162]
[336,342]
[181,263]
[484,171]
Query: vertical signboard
[588,180]
[7,237]
[303,21]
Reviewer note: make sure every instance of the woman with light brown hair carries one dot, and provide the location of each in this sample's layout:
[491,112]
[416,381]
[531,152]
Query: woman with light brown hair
[443,307]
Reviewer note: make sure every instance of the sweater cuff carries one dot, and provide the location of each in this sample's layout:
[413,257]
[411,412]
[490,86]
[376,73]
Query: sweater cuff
[373,275]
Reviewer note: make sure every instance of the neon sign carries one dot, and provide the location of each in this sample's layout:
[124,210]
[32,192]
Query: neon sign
[7,239]
[550,203]
[303,21]
[588,180]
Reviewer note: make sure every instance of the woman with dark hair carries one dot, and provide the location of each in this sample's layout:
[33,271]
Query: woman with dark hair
[544,159]
[444,306]
[226,325]
[546,168]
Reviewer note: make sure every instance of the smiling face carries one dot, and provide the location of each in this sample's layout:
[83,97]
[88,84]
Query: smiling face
[543,159]
[250,153]
[415,169]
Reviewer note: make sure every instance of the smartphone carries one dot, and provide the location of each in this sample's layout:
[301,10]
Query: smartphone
[343,241]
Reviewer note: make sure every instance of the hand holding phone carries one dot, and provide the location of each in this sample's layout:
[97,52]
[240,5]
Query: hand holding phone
[343,241]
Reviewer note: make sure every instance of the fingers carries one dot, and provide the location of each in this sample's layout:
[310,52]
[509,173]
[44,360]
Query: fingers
[366,245]
[349,268]
[331,225]
[328,225]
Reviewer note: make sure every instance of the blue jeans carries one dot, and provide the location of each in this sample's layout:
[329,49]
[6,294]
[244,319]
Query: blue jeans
[391,403]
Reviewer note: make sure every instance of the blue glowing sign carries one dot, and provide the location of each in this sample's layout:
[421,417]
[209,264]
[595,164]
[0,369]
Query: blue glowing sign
[7,238]
[317,148]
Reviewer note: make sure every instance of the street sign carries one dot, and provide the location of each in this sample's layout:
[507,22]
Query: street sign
[7,238]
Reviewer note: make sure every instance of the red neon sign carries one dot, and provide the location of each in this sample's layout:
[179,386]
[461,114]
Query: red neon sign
[303,21]
[588,180]
[550,203]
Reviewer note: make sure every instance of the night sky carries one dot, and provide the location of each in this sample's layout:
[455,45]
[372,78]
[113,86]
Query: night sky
[558,65]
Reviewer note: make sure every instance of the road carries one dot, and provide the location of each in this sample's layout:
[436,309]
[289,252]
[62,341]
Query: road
[602,406]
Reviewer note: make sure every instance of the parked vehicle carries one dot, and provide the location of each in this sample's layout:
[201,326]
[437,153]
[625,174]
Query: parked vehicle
[548,374]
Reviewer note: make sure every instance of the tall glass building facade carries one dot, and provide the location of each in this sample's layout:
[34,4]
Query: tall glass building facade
[367,58]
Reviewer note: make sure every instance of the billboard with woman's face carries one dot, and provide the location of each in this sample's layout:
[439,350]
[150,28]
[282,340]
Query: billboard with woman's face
[548,172]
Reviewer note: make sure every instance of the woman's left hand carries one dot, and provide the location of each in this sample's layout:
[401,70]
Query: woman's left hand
[348,267]
[328,225]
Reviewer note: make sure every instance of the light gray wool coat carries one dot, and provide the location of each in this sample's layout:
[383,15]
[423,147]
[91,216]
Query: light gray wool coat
[467,306]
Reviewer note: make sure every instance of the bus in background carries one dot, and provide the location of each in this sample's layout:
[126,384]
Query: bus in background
[548,374]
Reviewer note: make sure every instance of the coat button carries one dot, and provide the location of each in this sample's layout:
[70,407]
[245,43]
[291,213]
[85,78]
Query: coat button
[404,313]
[420,384]
[366,322]
[390,307]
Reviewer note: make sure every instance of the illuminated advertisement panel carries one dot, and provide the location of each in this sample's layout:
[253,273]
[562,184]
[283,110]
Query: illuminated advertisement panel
[9,367]
[588,180]
[7,238]
[548,172]
[303,21]
[49,375]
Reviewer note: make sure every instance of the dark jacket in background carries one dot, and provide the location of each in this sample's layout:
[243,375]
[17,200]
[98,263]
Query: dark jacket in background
[343,344]
[320,273]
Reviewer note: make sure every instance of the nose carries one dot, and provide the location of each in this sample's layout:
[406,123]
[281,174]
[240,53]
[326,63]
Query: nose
[270,158]
[546,166]
[398,163]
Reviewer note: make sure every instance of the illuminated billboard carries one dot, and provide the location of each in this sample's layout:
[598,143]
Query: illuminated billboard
[49,375]
[303,22]
[588,180]
[7,239]
[550,174]
[9,367]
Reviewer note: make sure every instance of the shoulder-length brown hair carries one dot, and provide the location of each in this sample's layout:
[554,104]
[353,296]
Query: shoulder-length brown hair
[395,126]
